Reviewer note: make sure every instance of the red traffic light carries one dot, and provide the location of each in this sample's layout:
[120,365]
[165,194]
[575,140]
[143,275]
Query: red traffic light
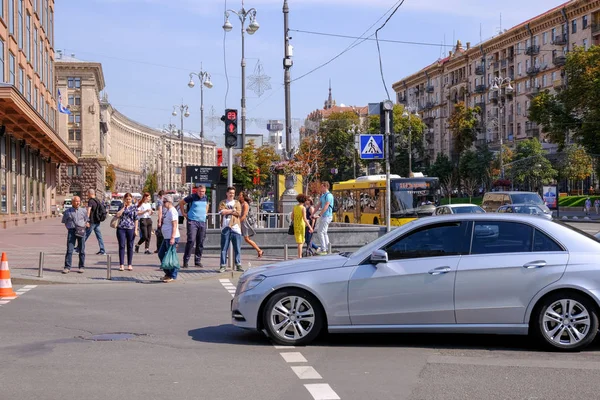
[231,115]
[231,128]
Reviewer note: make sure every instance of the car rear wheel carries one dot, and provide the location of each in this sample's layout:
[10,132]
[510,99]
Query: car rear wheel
[293,317]
[566,321]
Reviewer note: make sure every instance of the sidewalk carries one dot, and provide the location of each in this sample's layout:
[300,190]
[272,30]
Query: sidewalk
[24,244]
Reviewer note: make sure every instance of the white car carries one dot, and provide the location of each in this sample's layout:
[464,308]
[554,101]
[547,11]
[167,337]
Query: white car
[458,209]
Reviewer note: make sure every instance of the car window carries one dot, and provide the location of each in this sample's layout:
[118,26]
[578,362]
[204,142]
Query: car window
[431,241]
[541,242]
[527,198]
[495,237]
[506,199]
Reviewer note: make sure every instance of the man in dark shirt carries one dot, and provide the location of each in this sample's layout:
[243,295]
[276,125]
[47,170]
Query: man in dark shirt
[196,224]
[94,224]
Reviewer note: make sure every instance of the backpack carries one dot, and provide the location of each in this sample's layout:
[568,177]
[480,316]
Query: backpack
[336,205]
[100,211]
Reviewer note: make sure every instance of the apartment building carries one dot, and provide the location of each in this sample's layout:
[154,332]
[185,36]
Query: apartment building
[30,148]
[527,59]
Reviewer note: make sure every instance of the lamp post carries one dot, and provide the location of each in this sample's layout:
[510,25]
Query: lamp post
[499,83]
[183,112]
[204,78]
[408,112]
[169,130]
[243,15]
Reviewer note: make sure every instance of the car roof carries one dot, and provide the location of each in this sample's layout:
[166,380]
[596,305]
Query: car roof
[523,205]
[460,205]
[512,192]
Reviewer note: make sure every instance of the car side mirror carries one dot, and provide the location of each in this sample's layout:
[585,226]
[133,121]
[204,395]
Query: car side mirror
[379,256]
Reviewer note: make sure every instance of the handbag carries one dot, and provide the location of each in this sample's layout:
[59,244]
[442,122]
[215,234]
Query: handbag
[80,231]
[114,222]
[251,218]
[170,260]
[291,228]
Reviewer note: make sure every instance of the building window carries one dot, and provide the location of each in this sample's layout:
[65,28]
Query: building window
[77,118]
[519,69]
[585,44]
[77,100]
[1,8]
[35,98]
[2,77]
[76,151]
[74,134]
[74,170]
[29,89]
[51,28]
[42,16]
[42,105]
[41,64]
[574,26]
[71,100]
[35,49]
[28,37]
[3,191]
[518,108]
[545,38]
[23,180]
[20,24]
[74,83]
[11,65]
[21,80]
[11,17]
[544,81]
[584,22]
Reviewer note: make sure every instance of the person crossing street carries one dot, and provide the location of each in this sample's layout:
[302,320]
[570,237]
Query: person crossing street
[75,220]
[95,212]
[196,224]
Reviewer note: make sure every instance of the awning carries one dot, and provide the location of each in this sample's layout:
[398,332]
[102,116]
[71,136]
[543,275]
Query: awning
[22,121]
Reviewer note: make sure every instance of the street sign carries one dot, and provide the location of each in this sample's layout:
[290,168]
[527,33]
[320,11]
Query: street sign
[371,147]
[199,174]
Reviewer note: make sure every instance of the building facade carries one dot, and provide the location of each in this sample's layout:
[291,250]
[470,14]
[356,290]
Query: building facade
[101,136]
[531,55]
[30,148]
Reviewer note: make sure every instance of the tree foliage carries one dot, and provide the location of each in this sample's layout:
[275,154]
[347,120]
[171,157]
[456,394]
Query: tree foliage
[462,124]
[110,178]
[310,155]
[151,184]
[577,164]
[443,169]
[576,109]
[530,167]
[335,133]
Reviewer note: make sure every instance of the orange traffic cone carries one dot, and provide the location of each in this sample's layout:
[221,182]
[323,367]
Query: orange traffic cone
[6,290]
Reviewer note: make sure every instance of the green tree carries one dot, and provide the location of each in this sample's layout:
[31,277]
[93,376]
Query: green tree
[310,155]
[443,169]
[335,133]
[574,111]
[151,184]
[530,167]
[266,155]
[462,124]
[110,178]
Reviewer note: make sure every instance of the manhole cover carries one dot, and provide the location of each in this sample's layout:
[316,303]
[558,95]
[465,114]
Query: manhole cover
[109,337]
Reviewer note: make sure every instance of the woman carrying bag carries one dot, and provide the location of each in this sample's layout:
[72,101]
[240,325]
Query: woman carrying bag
[144,213]
[168,249]
[247,221]
[127,230]
[300,223]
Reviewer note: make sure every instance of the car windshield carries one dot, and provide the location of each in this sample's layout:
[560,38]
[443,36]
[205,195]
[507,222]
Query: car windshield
[468,210]
[526,198]
[115,203]
[268,206]
[527,210]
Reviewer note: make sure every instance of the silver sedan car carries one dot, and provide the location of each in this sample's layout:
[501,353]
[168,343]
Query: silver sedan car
[469,273]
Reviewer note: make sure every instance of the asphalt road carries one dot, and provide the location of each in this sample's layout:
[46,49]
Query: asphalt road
[185,348]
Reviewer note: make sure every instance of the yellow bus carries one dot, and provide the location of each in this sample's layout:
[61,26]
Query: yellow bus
[362,200]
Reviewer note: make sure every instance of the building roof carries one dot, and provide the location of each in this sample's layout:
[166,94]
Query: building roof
[62,57]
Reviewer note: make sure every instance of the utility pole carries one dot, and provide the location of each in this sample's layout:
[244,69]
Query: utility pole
[388,107]
[287,80]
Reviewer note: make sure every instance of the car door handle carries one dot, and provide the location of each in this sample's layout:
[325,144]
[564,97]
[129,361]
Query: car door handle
[440,271]
[535,264]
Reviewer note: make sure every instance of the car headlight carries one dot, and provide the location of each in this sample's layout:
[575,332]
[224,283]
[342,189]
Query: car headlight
[251,283]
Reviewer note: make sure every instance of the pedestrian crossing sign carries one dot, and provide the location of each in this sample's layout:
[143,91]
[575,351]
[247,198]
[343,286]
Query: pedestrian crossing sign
[371,147]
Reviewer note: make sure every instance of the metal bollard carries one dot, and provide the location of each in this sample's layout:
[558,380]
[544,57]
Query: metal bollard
[329,248]
[108,268]
[41,265]
[285,252]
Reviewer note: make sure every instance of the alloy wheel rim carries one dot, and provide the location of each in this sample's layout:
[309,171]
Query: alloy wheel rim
[292,318]
[566,322]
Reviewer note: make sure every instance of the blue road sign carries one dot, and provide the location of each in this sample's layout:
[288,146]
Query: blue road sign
[371,147]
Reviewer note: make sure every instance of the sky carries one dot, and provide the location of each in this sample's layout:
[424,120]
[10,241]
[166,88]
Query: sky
[148,48]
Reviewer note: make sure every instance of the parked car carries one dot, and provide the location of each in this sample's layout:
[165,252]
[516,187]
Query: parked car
[467,273]
[459,209]
[494,200]
[114,206]
[529,209]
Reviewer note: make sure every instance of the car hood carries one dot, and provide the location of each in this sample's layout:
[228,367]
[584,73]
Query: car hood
[298,266]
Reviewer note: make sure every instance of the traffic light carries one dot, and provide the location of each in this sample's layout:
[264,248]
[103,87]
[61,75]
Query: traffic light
[231,118]
[386,110]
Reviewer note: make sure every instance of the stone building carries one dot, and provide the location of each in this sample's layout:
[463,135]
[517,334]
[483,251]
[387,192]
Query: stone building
[30,148]
[101,136]
[531,55]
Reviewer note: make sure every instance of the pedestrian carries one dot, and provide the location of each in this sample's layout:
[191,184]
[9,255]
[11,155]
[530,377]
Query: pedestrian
[325,215]
[76,220]
[96,214]
[597,205]
[308,233]
[144,212]
[588,206]
[300,223]
[170,233]
[196,224]
[127,230]
[160,211]
[246,225]
[230,210]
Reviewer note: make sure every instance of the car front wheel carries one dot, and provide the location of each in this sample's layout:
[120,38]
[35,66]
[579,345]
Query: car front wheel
[566,321]
[293,317]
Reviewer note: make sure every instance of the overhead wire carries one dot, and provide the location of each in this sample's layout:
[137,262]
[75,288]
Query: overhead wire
[379,49]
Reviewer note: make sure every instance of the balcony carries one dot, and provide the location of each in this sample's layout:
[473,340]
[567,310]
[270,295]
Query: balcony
[533,50]
[533,91]
[480,70]
[429,105]
[511,119]
[596,28]
[402,100]
[428,121]
[504,63]
[497,65]
[429,136]
[559,61]
[532,130]
[480,89]
[531,71]
[480,105]
[429,88]
[510,59]
[558,84]
[560,40]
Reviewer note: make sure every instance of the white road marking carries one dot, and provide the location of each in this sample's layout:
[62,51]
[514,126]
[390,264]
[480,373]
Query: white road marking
[4,302]
[306,372]
[224,280]
[284,347]
[228,286]
[293,357]
[28,287]
[322,391]
[19,292]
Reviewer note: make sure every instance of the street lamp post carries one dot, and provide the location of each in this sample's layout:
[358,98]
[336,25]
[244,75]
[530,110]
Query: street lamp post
[183,112]
[499,82]
[169,130]
[204,78]
[408,112]
[243,14]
